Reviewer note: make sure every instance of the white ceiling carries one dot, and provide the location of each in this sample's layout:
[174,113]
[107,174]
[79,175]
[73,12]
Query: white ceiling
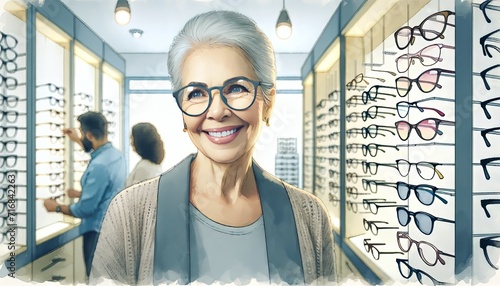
[162,19]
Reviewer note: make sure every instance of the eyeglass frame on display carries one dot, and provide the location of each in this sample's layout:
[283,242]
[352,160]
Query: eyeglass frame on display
[367,204]
[366,166]
[366,113]
[369,247]
[485,103]
[433,190]
[484,132]
[417,272]
[366,95]
[426,163]
[3,145]
[367,224]
[485,46]
[422,32]
[484,162]
[432,218]
[404,234]
[355,81]
[365,131]
[61,90]
[416,80]
[484,242]
[486,202]
[4,131]
[3,38]
[486,5]
[420,108]
[411,56]
[484,75]
[415,126]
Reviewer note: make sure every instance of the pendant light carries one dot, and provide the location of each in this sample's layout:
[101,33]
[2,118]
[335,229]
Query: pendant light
[284,25]
[122,12]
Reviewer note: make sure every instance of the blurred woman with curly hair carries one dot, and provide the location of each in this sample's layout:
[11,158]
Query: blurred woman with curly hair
[146,141]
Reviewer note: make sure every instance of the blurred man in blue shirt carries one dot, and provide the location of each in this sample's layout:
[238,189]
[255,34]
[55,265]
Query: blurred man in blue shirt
[104,177]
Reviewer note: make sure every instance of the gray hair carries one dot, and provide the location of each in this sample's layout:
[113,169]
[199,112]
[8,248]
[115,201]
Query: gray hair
[225,28]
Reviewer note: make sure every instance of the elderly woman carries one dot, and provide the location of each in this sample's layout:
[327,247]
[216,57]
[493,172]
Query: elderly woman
[217,216]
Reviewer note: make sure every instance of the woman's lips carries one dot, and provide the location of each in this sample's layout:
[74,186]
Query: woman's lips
[222,135]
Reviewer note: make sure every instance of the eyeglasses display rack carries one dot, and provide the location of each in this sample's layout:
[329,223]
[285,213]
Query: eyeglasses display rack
[13,136]
[402,183]
[308,137]
[486,140]
[287,161]
[46,81]
[111,103]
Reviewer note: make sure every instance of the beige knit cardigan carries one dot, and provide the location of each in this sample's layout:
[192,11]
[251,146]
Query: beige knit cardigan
[125,249]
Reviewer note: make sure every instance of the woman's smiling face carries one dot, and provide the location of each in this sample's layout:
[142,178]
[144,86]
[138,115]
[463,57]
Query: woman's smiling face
[221,133]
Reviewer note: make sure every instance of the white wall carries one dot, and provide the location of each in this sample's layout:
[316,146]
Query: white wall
[153,65]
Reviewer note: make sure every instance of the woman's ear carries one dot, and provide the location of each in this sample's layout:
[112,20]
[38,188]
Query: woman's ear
[268,108]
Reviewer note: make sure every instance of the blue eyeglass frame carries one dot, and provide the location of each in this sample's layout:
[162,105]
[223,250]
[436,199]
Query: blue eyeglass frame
[220,88]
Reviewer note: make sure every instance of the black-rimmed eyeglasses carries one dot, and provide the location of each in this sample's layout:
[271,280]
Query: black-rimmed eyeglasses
[351,85]
[423,220]
[423,277]
[53,88]
[484,132]
[486,5]
[8,40]
[373,112]
[373,92]
[375,204]
[487,202]
[9,100]
[485,46]
[486,103]
[484,74]
[489,241]
[237,93]
[371,247]
[430,28]
[424,193]
[427,81]
[374,228]
[489,161]
[426,129]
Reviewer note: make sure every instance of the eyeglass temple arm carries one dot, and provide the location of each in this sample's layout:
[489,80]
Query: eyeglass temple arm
[387,227]
[444,220]
[388,146]
[387,130]
[486,202]
[487,46]
[375,221]
[393,185]
[440,175]
[378,78]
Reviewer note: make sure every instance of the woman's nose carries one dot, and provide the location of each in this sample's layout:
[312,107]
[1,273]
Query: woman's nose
[218,109]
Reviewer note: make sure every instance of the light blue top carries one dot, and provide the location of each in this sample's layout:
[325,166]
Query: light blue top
[104,177]
[227,254]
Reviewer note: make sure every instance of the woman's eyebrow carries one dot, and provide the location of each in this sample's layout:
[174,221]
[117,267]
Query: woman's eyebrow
[198,83]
